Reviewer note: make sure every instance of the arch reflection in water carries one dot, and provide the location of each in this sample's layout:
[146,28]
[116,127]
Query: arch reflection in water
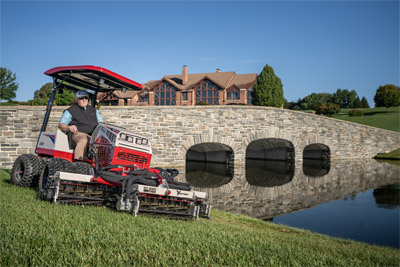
[269,173]
[208,174]
[316,167]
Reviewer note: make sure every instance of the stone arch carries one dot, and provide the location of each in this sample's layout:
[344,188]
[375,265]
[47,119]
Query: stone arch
[278,133]
[316,151]
[207,138]
[271,149]
[210,152]
[316,160]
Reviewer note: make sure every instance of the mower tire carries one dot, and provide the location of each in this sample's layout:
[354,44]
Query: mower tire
[26,170]
[52,166]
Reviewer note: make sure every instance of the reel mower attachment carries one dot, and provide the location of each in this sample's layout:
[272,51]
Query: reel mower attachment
[128,188]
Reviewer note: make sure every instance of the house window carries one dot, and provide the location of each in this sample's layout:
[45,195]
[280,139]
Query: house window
[250,96]
[184,96]
[144,97]
[207,92]
[165,95]
[233,94]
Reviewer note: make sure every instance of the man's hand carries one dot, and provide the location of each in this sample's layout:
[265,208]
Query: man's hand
[73,129]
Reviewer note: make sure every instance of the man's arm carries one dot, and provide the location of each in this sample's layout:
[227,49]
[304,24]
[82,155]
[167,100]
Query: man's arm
[99,118]
[66,118]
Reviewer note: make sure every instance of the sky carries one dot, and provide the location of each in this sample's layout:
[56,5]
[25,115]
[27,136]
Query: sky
[313,46]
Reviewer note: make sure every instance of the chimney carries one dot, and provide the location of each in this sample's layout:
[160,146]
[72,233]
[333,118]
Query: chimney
[185,76]
[218,70]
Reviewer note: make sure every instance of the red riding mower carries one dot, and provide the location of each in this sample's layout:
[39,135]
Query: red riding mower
[116,171]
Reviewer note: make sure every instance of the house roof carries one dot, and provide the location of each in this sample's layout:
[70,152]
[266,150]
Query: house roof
[224,80]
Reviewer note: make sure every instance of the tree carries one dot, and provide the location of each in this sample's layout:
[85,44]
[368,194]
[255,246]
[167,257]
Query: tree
[364,103]
[344,98]
[314,100]
[357,103]
[8,86]
[42,95]
[387,96]
[268,91]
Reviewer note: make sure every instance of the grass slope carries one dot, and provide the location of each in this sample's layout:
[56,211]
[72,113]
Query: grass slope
[35,232]
[377,117]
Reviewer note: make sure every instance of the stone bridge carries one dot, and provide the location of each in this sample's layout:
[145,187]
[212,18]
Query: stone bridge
[213,133]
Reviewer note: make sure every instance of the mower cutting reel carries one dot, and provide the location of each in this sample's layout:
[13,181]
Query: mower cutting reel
[73,188]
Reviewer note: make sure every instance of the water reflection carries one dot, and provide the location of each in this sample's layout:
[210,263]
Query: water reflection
[273,189]
[388,197]
[208,174]
[268,173]
[316,167]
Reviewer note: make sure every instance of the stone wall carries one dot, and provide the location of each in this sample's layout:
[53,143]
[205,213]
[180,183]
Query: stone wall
[173,130]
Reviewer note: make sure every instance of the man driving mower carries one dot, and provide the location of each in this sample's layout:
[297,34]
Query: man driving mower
[80,119]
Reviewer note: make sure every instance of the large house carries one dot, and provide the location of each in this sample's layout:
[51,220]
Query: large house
[217,88]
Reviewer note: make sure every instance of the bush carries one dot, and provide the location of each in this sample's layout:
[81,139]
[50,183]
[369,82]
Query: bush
[328,109]
[355,113]
[201,103]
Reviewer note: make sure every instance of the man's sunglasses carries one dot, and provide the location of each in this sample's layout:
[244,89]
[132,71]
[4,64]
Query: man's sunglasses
[84,98]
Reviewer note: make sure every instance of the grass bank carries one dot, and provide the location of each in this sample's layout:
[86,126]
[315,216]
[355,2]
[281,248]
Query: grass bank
[377,117]
[392,157]
[34,232]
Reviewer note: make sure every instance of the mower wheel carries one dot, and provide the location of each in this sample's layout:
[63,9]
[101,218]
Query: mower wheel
[51,166]
[83,168]
[26,170]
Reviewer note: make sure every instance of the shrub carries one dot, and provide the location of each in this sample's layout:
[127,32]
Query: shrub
[328,109]
[201,103]
[355,113]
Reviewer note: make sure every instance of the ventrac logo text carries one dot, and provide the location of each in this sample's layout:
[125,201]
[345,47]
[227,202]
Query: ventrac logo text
[182,193]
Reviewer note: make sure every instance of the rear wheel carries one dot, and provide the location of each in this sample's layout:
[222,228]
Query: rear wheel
[26,170]
[52,166]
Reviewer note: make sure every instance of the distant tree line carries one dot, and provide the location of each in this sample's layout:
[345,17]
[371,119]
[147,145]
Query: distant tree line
[326,103]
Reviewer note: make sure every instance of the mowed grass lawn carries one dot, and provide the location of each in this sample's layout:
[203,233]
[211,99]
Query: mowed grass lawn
[377,117]
[35,232]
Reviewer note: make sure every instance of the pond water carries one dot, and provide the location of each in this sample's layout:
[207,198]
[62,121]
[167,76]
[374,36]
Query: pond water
[350,199]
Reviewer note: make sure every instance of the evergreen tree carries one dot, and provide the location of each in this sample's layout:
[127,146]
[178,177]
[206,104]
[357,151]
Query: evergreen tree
[268,91]
[8,86]
[357,103]
[364,103]
[344,98]
[387,96]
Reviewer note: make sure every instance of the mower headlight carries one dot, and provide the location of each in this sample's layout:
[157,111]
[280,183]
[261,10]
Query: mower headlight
[141,141]
[123,136]
[130,139]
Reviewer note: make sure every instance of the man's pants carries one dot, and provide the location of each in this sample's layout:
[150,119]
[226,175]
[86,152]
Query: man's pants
[81,140]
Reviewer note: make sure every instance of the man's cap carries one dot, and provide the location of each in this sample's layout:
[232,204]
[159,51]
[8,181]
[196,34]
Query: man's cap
[81,94]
